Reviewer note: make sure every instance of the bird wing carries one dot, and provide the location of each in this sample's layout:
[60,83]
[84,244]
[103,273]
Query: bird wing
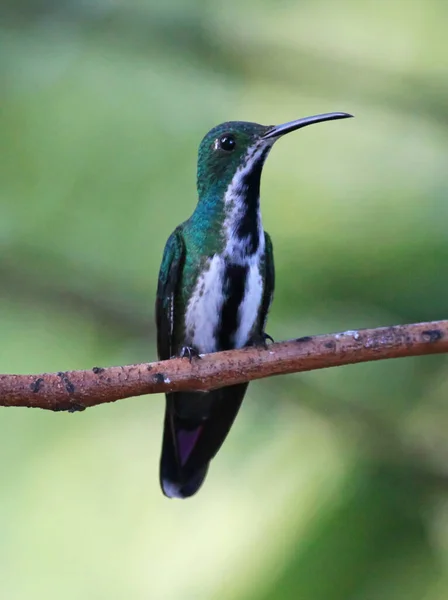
[169,277]
[269,271]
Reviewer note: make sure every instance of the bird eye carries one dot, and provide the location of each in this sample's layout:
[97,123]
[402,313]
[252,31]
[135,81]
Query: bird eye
[227,142]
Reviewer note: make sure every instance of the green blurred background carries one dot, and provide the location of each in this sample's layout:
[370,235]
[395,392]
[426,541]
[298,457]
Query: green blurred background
[332,485]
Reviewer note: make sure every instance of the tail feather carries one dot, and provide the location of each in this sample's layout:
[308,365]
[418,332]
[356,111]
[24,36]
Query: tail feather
[192,437]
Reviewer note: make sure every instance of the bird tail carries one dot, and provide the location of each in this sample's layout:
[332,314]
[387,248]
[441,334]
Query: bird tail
[192,437]
[179,437]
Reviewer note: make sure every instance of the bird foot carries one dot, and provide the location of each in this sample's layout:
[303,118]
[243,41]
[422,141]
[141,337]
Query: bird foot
[262,340]
[189,352]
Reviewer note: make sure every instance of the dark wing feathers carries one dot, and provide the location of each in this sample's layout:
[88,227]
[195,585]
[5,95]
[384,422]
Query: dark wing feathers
[268,293]
[169,276]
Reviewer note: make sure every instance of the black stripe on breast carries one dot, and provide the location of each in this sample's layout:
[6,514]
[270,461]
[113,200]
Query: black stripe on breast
[234,287]
[248,225]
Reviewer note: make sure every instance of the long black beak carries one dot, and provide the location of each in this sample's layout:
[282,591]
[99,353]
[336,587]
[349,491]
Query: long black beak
[279,130]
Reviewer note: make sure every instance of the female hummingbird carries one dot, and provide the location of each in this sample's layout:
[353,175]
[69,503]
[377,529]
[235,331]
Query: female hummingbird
[215,287]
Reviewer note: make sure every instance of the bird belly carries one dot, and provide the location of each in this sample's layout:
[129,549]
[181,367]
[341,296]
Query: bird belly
[205,306]
[224,306]
[249,308]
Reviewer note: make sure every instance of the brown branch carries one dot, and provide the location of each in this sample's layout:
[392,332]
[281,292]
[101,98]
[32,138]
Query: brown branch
[76,390]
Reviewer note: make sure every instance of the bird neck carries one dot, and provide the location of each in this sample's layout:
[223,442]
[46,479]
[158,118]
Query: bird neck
[233,218]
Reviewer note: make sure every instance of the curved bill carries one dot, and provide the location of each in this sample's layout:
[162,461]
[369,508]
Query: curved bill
[279,130]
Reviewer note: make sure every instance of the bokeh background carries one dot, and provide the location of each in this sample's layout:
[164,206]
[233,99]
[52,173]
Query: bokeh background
[332,485]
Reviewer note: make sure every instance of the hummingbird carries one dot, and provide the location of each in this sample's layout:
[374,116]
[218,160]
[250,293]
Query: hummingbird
[215,288]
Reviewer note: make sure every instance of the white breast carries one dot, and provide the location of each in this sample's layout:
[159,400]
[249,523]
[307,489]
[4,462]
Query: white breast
[204,308]
[249,307]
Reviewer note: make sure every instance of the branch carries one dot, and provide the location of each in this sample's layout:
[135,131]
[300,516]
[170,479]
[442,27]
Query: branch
[77,390]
